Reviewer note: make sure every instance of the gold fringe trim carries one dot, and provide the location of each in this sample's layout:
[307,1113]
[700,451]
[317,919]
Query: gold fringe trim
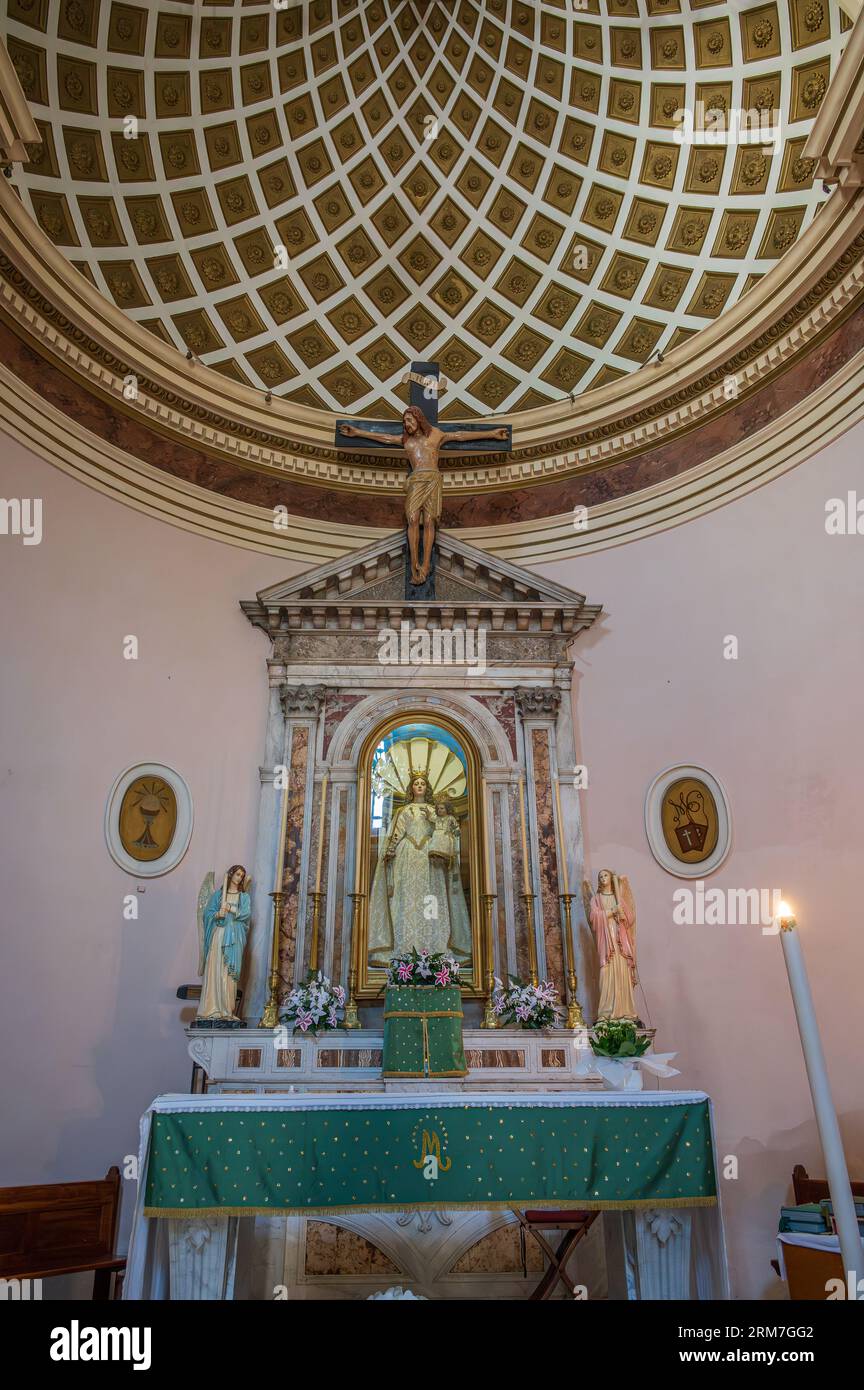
[563,1204]
[441,988]
[423,1075]
[428,1013]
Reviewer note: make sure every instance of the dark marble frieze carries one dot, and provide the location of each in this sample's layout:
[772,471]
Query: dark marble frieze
[363,649]
[605,483]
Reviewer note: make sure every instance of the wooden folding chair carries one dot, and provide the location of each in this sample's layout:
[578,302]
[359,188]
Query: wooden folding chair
[575,1226]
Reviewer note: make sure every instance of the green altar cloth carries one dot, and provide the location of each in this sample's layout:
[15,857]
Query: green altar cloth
[423,1032]
[244,1155]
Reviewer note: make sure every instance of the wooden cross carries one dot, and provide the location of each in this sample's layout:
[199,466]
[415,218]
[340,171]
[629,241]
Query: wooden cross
[425,386]
[423,439]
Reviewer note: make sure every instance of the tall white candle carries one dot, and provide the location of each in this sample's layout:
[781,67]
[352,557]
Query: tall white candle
[823,1104]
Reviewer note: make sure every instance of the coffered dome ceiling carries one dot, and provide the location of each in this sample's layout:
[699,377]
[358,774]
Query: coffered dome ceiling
[317,195]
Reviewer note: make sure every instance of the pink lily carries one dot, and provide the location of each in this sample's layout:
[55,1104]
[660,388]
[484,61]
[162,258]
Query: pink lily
[404,971]
[443,976]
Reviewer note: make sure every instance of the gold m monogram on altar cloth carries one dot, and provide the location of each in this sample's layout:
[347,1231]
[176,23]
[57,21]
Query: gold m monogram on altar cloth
[431,1160]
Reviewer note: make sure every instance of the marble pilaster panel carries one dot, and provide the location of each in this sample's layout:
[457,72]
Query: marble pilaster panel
[549,906]
[313,832]
[503,963]
[336,914]
[291,877]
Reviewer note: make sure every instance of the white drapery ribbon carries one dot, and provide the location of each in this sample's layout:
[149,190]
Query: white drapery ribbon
[620,1072]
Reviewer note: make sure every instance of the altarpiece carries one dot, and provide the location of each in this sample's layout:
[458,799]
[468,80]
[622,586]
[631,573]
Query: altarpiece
[427,751]
[493,736]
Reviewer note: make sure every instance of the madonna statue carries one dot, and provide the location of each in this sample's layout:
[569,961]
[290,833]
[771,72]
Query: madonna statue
[410,903]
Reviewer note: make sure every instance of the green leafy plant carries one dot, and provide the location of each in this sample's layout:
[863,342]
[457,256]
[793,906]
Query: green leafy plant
[615,1037]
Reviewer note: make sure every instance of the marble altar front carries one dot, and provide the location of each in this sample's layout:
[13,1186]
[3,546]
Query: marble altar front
[660,1234]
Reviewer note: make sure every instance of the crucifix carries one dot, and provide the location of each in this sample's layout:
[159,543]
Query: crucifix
[423,440]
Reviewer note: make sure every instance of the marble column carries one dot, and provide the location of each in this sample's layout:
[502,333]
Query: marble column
[258,951]
[538,708]
[546,721]
[662,1248]
[301,707]
[202,1255]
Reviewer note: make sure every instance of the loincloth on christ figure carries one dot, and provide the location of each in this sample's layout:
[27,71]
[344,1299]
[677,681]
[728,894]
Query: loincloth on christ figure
[424,496]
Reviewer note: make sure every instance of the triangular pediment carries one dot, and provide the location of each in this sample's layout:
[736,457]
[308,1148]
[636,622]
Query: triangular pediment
[376,574]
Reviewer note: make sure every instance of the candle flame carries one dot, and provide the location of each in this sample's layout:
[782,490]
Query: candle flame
[785,914]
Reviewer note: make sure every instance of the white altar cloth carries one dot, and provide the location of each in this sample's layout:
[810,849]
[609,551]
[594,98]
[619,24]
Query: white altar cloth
[665,1253]
[815,1242]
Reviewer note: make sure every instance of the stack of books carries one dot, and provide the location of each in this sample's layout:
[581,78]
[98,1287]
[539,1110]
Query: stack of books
[831,1220]
[808,1219]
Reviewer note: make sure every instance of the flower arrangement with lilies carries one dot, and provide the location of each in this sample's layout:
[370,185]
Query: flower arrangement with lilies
[525,1005]
[315,1005]
[420,968]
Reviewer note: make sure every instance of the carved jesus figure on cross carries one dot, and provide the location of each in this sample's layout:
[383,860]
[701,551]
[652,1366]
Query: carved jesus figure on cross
[422,440]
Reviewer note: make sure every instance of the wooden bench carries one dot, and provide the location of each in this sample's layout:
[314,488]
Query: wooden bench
[807,1270]
[809,1189]
[62,1228]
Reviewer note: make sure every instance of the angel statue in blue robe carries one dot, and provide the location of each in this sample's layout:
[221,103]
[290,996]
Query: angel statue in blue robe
[223,926]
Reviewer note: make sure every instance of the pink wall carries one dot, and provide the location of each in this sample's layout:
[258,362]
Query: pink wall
[89,1020]
[90,1025]
[781,728]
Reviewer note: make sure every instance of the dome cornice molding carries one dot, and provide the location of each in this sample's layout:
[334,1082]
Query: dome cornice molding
[784,443]
[809,291]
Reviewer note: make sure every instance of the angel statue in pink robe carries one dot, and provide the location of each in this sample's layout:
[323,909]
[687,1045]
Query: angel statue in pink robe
[611,912]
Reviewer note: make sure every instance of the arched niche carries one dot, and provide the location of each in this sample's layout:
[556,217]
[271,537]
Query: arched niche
[407,741]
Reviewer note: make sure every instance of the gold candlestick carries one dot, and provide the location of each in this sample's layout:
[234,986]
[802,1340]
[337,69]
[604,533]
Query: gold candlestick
[526,872]
[528,900]
[322,815]
[352,1018]
[561,845]
[490,1018]
[270,1016]
[575,1018]
[317,898]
